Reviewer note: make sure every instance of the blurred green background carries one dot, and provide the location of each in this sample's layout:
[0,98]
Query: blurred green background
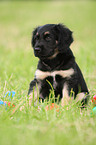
[18,65]
[17,21]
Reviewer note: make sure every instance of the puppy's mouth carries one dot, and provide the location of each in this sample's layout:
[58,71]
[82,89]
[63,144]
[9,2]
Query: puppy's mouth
[38,53]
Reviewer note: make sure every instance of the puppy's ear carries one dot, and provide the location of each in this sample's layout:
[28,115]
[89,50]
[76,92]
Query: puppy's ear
[64,37]
[33,34]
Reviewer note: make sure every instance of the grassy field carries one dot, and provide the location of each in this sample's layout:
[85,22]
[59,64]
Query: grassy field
[31,126]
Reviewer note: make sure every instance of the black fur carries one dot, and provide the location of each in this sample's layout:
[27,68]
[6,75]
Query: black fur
[46,41]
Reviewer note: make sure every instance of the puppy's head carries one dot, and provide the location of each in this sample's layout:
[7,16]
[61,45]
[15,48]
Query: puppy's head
[51,39]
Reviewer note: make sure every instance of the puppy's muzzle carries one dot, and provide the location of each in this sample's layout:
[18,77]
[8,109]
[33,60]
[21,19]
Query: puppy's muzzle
[37,49]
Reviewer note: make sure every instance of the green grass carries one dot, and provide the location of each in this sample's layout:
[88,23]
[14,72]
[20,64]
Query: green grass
[18,65]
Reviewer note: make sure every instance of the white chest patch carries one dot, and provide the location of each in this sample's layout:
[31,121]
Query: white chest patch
[63,73]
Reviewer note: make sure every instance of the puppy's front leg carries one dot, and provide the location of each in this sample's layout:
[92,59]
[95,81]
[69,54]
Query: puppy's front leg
[33,92]
[65,96]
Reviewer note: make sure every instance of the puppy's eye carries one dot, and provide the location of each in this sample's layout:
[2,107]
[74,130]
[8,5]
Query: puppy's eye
[47,37]
[36,37]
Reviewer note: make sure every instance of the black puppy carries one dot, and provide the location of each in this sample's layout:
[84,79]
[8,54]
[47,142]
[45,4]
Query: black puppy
[56,65]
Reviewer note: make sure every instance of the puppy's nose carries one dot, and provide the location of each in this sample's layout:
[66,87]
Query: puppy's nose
[37,49]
